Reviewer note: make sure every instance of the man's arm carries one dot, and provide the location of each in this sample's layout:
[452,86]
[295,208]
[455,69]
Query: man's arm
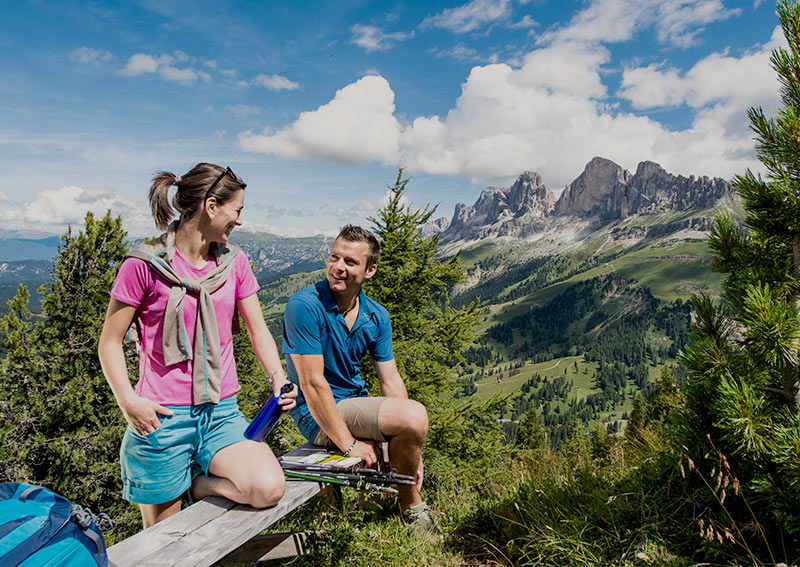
[319,397]
[392,385]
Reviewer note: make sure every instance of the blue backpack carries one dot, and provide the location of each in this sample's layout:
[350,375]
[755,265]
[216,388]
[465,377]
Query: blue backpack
[41,528]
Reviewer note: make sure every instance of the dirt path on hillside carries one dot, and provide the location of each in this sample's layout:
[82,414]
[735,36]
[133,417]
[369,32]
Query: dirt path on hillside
[559,361]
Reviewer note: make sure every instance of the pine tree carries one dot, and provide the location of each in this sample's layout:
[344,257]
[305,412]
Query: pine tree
[532,434]
[414,285]
[742,393]
[429,335]
[59,423]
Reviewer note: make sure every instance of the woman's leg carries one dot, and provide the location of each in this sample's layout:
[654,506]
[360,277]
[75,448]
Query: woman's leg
[154,513]
[245,472]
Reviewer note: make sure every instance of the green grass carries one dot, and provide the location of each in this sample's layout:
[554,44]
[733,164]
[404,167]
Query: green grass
[549,369]
[582,379]
[669,271]
[479,253]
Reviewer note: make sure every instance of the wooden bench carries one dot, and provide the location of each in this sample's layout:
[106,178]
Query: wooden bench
[212,531]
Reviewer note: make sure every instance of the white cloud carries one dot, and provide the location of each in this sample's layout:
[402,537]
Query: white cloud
[373,38]
[141,63]
[567,67]
[718,78]
[269,210]
[459,51]
[679,21]
[548,115]
[676,21]
[525,22]
[88,55]
[184,76]
[357,126]
[275,82]
[553,111]
[361,209]
[653,86]
[470,17]
[55,208]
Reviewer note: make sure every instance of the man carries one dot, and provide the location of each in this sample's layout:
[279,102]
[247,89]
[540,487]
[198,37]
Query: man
[327,329]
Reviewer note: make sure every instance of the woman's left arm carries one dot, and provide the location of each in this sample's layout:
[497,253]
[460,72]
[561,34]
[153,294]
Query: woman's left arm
[265,347]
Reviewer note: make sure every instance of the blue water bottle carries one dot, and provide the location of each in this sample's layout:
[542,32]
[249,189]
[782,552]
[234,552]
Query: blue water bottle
[267,416]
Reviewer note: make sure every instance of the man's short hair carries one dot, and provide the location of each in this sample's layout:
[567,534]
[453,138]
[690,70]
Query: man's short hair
[357,234]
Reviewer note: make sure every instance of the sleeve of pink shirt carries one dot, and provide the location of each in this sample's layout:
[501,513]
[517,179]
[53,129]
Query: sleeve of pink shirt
[246,282]
[132,283]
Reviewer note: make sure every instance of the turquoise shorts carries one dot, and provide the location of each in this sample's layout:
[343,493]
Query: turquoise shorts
[155,467]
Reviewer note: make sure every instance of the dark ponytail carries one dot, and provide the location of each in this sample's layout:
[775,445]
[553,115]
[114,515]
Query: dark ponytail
[159,201]
[193,191]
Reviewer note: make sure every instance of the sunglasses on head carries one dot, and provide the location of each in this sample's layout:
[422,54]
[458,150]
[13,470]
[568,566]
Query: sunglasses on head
[229,171]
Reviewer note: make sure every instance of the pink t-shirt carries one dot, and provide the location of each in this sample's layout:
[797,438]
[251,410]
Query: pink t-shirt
[139,286]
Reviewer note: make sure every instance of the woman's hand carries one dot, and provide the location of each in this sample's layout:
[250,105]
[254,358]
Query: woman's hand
[288,399]
[142,414]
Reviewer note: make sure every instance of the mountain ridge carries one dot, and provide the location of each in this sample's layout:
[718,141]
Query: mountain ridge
[603,194]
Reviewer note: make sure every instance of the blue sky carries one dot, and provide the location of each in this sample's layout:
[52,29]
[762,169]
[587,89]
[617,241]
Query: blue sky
[316,104]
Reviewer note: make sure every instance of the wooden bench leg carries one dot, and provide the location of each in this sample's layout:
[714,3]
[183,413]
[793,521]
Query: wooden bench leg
[332,493]
[267,547]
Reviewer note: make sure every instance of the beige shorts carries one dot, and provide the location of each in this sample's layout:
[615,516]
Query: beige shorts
[361,417]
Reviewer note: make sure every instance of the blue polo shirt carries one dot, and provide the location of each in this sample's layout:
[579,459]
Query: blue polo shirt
[313,324]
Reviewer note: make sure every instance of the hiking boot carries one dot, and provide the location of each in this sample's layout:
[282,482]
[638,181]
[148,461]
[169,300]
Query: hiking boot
[420,520]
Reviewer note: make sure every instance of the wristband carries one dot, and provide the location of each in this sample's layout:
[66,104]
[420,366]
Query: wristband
[346,453]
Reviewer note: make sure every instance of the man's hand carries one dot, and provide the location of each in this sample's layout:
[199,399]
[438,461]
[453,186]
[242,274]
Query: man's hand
[367,451]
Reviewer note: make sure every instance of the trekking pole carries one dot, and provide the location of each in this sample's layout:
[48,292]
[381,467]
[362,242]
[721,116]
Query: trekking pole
[359,474]
[361,485]
[392,474]
[354,480]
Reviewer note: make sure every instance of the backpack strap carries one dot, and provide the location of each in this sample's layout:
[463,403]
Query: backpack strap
[28,491]
[84,518]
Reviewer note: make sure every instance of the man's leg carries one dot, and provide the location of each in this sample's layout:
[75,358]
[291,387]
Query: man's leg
[405,424]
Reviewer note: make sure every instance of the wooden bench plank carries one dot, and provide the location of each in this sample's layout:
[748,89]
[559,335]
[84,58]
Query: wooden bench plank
[204,546]
[210,529]
[133,550]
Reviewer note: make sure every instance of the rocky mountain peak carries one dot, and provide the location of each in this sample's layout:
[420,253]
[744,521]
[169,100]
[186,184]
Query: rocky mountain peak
[527,195]
[649,170]
[434,226]
[596,191]
[661,191]
[604,192]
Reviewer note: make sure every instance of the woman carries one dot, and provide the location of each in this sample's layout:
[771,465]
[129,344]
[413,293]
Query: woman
[182,291]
